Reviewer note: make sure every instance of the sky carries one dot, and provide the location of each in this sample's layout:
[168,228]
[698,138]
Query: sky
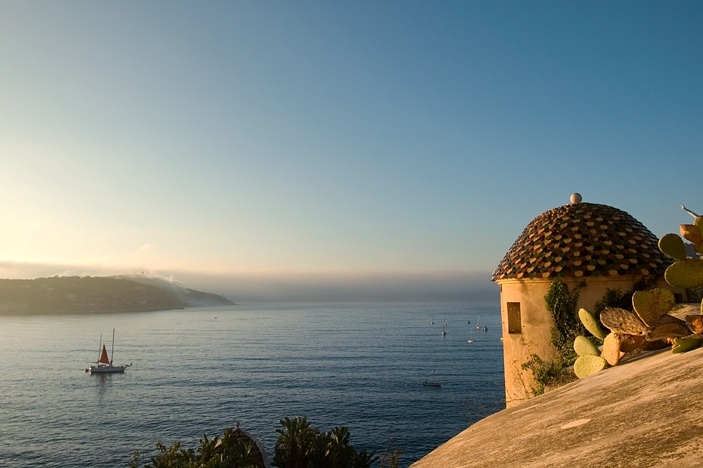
[336,150]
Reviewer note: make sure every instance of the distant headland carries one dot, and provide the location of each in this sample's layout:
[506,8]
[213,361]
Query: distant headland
[73,294]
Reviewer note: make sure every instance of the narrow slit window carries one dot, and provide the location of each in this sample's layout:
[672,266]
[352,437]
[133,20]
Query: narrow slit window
[514,319]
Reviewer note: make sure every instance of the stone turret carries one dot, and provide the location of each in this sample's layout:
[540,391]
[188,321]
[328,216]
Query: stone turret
[602,246]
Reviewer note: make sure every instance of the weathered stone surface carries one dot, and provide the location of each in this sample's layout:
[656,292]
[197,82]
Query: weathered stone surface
[623,321]
[615,418]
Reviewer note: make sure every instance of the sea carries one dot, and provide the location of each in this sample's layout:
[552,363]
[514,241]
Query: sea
[197,371]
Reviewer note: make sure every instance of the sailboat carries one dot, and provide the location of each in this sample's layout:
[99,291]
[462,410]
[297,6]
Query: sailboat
[478,321]
[432,383]
[104,364]
[444,328]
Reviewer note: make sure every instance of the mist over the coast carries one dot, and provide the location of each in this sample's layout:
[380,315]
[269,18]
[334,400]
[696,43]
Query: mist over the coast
[451,286]
[443,286]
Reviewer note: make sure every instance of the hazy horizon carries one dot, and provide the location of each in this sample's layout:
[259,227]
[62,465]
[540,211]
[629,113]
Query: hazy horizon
[448,286]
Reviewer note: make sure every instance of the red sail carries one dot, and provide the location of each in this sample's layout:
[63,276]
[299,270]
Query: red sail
[103,356]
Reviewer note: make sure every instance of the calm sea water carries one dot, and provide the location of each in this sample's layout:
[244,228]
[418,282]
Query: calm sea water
[198,371]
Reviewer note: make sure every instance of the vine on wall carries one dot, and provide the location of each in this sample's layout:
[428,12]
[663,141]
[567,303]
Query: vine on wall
[562,303]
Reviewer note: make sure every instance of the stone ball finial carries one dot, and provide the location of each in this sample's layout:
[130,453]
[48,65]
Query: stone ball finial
[575,198]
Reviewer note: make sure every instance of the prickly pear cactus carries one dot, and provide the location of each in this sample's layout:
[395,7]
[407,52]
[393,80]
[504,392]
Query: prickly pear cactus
[612,351]
[623,321]
[686,343]
[591,323]
[589,365]
[630,343]
[691,233]
[695,323]
[584,347]
[669,330]
[673,246]
[686,272]
[652,305]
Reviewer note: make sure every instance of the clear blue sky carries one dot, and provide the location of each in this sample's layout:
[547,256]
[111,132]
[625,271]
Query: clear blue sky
[362,138]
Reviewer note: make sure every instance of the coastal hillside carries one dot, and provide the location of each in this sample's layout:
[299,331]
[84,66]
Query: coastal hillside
[191,297]
[98,294]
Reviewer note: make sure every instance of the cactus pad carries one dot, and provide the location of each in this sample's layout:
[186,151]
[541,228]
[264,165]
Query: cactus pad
[623,321]
[584,347]
[691,233]
[672,245]
[667,330]
[591,323]
[611,348]
[686,343]
[589,365]
[695,323]
[655,345]
[651,305]
[685,274]
[670,319]
[698,221]
[631,343]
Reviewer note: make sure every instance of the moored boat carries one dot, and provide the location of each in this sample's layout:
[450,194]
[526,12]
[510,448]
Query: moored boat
[104,364]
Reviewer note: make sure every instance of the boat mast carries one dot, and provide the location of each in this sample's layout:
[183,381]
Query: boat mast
[112,354]
[100,347]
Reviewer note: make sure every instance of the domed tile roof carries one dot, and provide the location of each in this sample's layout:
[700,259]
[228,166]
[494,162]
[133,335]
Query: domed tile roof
[583,240]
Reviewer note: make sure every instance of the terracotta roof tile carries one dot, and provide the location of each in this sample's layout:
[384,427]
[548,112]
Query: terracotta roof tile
[582,240]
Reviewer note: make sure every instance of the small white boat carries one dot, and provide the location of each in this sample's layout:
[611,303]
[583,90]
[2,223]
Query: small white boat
[104,364]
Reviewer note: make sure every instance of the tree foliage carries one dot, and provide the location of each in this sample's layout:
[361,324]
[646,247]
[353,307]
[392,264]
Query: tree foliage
[299,445]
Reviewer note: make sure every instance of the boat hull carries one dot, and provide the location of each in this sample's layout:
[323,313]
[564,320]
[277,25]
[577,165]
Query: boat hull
[105,369]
